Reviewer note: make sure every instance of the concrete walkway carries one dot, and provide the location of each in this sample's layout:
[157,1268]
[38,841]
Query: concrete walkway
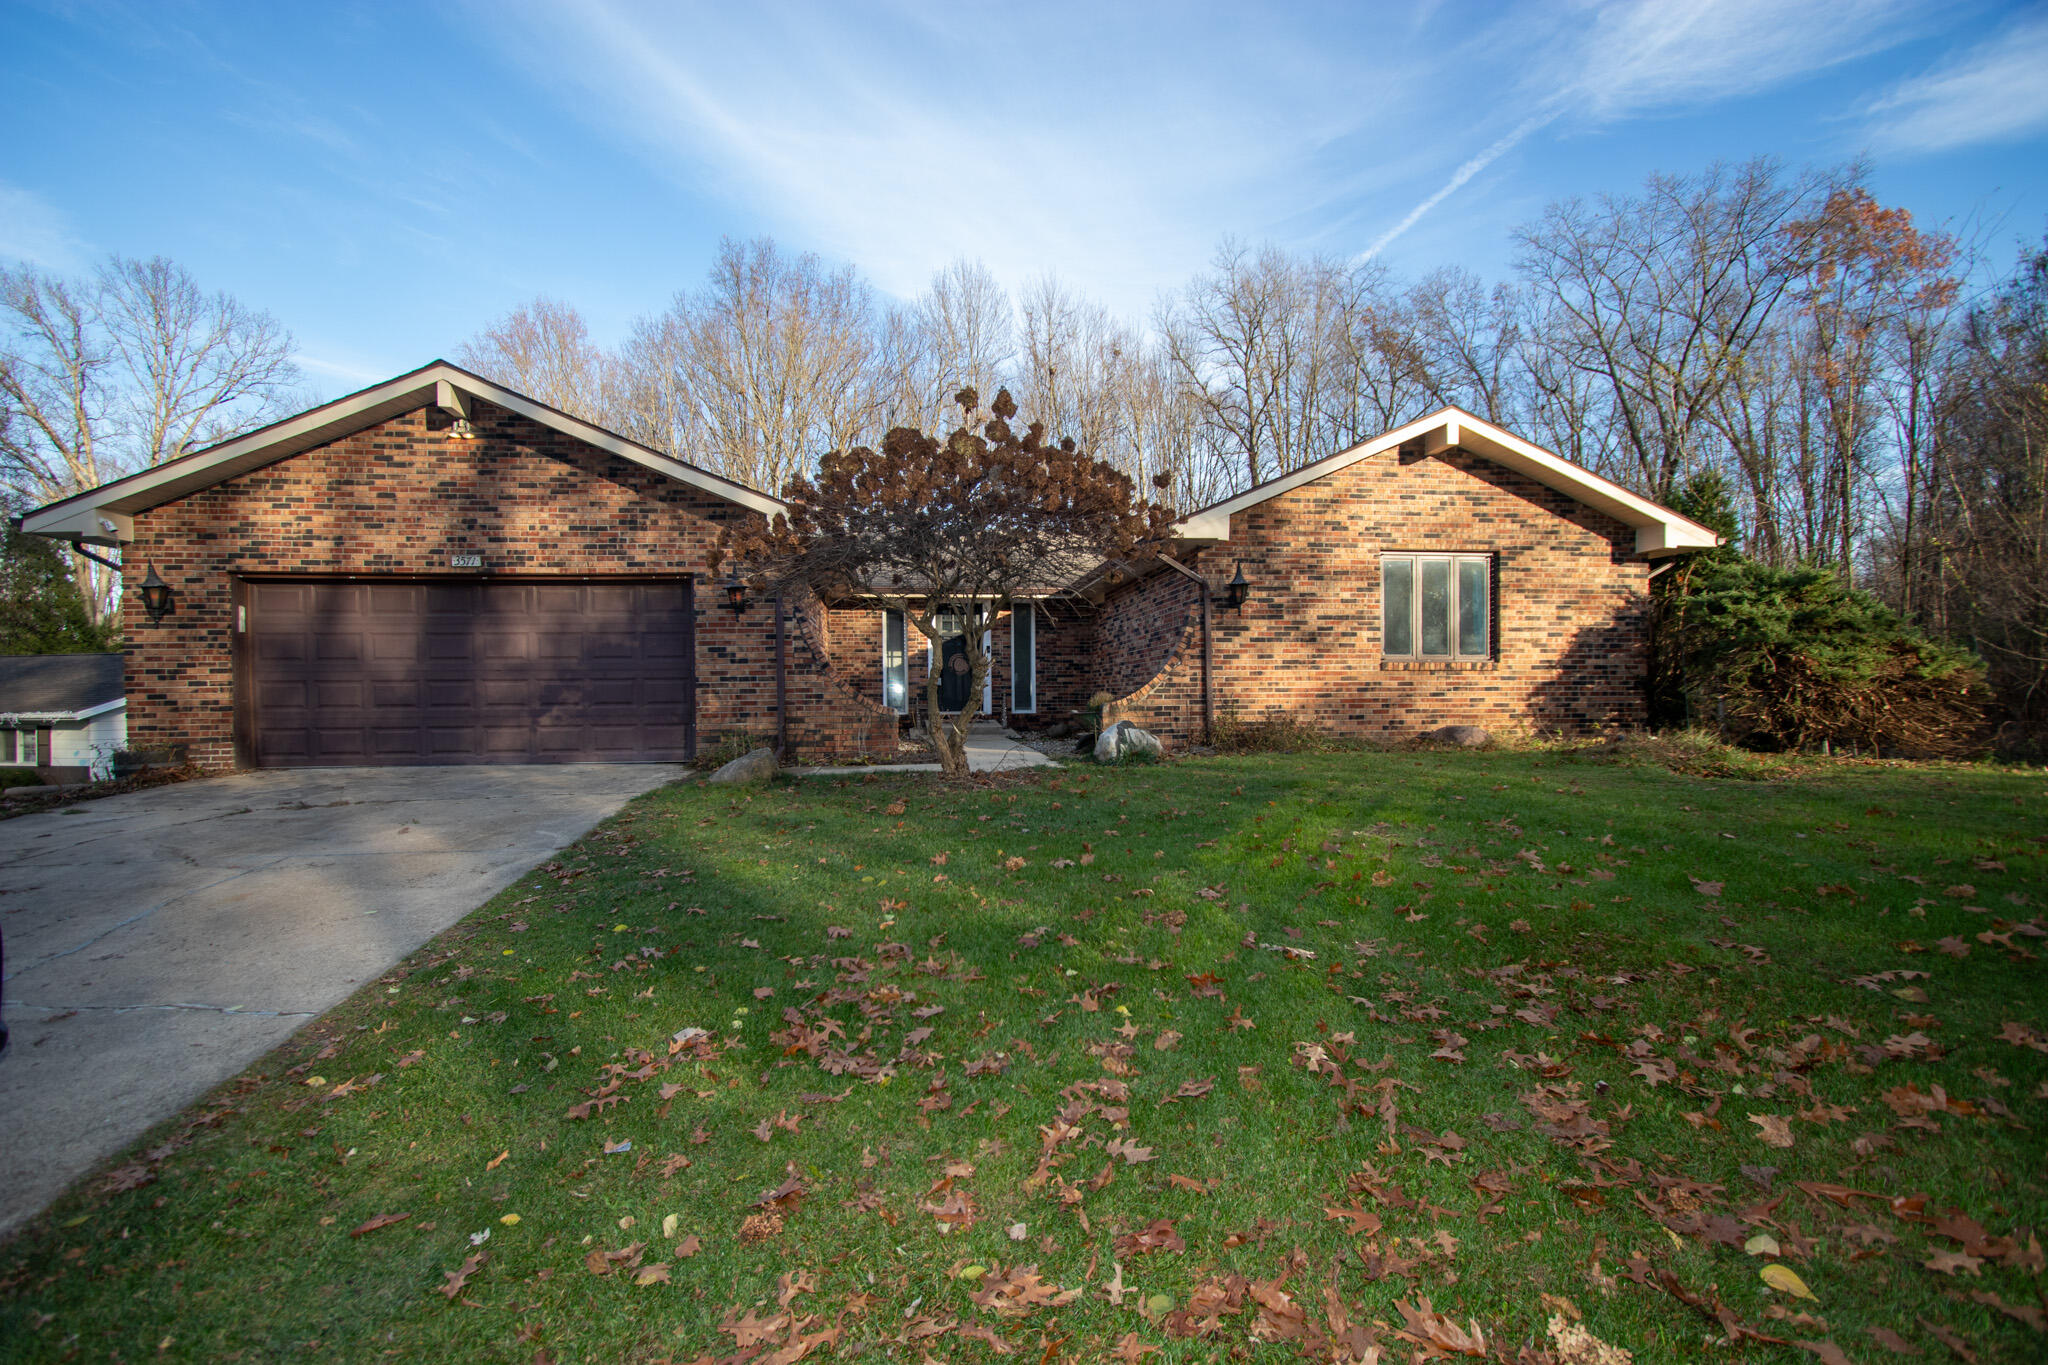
[160,942]
[988,751]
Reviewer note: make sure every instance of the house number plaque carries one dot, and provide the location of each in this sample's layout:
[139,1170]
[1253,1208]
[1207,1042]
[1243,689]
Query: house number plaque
[466,561]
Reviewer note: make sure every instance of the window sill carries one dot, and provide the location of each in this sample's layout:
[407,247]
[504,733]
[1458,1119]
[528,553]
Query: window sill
[1439,665]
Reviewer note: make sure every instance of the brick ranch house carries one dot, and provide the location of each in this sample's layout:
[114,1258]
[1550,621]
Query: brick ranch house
[440,570]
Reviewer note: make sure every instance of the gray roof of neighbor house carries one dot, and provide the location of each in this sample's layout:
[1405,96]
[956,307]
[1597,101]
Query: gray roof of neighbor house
[57,685]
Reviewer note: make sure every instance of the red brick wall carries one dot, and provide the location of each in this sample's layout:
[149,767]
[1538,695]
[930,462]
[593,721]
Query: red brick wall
[1571,622]
[399,498]
[1066,663]
[1065,660]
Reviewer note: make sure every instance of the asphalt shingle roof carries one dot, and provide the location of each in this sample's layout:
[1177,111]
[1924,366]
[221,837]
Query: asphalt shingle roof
[37,683]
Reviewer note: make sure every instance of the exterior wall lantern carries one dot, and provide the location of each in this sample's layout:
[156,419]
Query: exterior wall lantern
[1237,590]
[735,591]
[156,596]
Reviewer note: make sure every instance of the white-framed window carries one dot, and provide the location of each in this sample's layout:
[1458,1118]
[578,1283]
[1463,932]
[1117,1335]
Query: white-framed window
[18,748]
[1436,606]
[895,663]
[1024,658]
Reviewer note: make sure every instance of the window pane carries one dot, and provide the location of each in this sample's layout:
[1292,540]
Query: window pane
[6,746]
[1436,607]
[895,668]
[1472,607]
[1398,597]
[1023,657]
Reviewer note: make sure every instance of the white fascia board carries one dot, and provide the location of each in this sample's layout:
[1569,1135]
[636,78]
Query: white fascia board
[14,718]
[81,522]
[1659,530]
[79,516]
[1213,523]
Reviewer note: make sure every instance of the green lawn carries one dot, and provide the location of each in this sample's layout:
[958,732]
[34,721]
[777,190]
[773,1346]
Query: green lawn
[1269,1056]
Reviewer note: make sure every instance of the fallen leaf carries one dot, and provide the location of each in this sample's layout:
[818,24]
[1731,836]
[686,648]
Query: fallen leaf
[458,1279]
[1949,1262]
[1777,1131]
[1893,1342]
[1130,1151]
[382,1220]
[1786,1281]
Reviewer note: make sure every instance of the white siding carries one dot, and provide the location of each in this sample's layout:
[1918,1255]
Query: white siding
[89,743]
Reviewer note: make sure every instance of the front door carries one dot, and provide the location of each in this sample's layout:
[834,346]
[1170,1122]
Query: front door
[953,673]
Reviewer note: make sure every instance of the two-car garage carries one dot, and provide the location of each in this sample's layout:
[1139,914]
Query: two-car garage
[439,570]
[451,670]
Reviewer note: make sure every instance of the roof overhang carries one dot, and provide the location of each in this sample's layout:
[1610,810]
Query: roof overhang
[1659,530]
[50,717]
[106,515]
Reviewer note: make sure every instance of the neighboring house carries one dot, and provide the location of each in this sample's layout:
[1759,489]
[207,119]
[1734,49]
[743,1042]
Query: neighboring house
[439,570]
[63,715]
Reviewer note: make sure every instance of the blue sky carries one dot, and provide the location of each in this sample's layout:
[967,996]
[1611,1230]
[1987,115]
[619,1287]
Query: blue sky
[388,178]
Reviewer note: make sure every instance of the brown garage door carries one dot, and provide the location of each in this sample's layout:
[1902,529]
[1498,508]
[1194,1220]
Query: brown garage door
[469,672]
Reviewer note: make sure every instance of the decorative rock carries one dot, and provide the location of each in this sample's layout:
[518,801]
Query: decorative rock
[1123,739]
[1461,736]
[747,769]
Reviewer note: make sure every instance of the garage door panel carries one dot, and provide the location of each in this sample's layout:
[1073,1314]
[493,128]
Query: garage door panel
[368,672]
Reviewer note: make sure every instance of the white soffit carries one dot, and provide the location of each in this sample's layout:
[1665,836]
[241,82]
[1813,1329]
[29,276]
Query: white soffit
[1659,530]
[105,515]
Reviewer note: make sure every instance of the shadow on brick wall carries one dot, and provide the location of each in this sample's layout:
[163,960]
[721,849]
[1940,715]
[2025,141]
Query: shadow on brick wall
[1600,682]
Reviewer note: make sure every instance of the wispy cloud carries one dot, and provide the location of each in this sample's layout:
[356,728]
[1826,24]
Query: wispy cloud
[1994,92]
[1657,56]
[34,230]
[1613,62]
[1115,145]
[1500,147]
[1115,151]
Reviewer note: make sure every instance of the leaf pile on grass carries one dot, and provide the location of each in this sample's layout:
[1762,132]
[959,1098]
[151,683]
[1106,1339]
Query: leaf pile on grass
[1346,1058]
[1688,753]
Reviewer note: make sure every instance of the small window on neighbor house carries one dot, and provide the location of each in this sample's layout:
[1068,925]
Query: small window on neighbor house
[895,663]
[1435,606]
[18,748]
[1024,657]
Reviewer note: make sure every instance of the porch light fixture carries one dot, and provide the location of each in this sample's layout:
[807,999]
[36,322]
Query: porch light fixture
[1237,590]
[156,596]
[735,592]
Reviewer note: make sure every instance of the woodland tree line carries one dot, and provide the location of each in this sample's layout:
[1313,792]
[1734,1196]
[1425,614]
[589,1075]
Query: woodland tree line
[1773,344]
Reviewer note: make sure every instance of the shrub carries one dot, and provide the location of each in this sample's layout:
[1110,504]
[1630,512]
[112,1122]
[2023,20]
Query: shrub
[1792,659]
[11,778]
[1277,733]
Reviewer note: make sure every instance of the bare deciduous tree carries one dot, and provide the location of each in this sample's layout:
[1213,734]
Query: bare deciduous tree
[543,350]
[135,366]
[1659,297]
[774,361]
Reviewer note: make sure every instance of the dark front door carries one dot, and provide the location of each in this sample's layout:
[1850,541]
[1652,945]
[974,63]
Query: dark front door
[465,671]
[953,673]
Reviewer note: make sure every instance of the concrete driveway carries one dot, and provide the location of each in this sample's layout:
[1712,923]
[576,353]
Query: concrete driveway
[160,942]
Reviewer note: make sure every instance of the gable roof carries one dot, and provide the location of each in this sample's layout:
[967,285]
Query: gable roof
[60,686]
[1659,530]
[105,515]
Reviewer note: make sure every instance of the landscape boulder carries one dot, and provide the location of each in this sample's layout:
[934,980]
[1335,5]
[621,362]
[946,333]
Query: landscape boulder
[1461,736]
[1122,740]
[748,769]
